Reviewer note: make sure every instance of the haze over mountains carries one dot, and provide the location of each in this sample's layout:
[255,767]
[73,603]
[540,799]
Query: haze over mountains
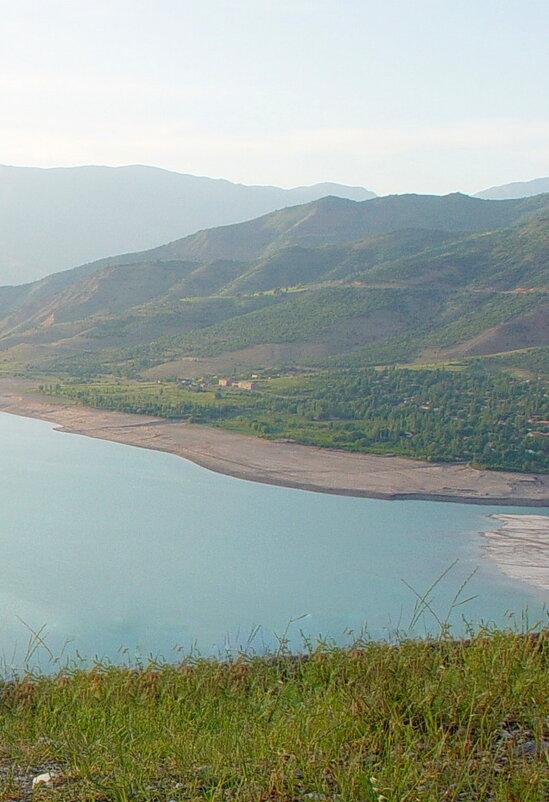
[518,189]
[330,282]
[53,219]
[337,220]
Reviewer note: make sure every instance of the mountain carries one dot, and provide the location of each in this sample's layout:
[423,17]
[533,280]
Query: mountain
[332,221]
[330,282]
[519,189]
[52,219]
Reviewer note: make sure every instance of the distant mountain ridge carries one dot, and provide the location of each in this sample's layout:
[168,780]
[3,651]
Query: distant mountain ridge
[52,219]
[333,220]
[518,189]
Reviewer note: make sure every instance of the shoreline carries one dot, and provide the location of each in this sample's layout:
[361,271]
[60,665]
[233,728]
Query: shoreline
[281,463]
[520,547]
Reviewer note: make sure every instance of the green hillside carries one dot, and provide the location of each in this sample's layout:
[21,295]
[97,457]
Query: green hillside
[411,293]
[503,259]
[340,317]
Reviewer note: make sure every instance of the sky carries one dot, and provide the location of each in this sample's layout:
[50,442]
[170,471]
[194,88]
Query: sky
[428,96]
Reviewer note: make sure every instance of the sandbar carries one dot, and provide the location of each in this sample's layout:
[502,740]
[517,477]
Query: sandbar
[284,463]
[520,547]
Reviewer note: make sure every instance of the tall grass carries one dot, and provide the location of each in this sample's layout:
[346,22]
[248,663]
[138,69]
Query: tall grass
[420,720]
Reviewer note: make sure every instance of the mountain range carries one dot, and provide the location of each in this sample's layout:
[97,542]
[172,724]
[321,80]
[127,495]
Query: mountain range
[53,219]
[332,282]
[518,189]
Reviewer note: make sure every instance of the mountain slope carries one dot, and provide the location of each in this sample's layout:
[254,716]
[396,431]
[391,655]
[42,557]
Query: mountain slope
[413,256]
[306,298]
[390,298]
[52,219]
[333,221]
[518,189]
[506,259]
[395,226]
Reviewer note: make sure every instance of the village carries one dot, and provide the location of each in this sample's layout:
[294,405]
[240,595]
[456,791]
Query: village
[211,382]
[245,384]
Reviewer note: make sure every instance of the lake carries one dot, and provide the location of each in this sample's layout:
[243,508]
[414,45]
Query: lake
[118,552]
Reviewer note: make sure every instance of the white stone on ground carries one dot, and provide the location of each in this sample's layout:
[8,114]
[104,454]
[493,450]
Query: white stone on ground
[43,779]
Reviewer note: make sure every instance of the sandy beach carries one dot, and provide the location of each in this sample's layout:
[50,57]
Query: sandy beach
[520,547]
[282,463]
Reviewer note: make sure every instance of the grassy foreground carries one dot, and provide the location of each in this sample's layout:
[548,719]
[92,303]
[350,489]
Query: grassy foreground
[423,720]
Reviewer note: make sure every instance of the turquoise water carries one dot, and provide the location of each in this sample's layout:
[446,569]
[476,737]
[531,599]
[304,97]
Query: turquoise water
[117,551]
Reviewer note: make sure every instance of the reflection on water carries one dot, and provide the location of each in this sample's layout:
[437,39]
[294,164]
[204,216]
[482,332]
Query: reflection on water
[108,546]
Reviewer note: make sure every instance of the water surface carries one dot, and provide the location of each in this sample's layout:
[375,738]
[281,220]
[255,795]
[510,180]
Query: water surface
[111,548]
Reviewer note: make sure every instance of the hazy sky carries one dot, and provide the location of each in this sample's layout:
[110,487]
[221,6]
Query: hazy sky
[395,95]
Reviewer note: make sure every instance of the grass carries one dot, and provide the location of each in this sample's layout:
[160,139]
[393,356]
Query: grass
[420,720]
